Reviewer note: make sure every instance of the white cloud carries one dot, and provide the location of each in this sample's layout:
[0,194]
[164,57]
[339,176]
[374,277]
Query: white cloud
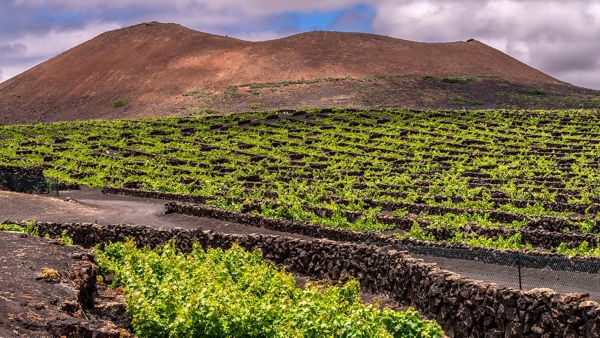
[57,41]
[559,37]
[251,7]
[30,49]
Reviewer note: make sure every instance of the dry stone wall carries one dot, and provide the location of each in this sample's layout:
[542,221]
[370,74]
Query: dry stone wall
[537,237]
[23,179]
[450,250]
[462,306]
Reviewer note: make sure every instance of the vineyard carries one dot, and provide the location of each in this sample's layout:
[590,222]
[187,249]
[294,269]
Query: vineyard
[350,197]
[234,293]
[520,180]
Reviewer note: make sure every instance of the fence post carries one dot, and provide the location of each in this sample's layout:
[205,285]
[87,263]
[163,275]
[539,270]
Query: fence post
[519,270]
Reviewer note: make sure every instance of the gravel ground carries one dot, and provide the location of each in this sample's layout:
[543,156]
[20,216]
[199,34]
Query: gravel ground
[39,288]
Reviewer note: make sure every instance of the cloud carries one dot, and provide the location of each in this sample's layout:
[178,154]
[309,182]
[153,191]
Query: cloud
[12,49]
[558,37]
[358,18]
[29,49]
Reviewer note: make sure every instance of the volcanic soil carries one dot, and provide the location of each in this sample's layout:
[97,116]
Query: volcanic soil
[156,69]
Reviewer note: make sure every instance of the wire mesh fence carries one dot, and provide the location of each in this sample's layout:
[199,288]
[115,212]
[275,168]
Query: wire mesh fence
[514,269]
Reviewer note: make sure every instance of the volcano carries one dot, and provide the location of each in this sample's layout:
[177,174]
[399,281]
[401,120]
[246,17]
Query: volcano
[156,69]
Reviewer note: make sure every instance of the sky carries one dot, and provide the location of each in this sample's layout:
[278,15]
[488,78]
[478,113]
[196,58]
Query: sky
[561,38]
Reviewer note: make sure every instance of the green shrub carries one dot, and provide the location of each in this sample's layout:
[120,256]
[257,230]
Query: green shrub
[30,228]
[65,239]
[584,249]
[234,293]
[458,79]
[11,227]
[417,233]
[537,92]
[120,103]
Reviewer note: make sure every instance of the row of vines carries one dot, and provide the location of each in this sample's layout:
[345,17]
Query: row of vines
[359,170]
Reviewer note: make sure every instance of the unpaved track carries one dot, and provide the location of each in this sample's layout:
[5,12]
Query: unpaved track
[93,206]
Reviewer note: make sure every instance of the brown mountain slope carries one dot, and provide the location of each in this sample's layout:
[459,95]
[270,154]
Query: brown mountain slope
[167,68]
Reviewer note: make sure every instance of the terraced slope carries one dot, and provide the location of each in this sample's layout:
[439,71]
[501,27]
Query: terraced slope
[483,178]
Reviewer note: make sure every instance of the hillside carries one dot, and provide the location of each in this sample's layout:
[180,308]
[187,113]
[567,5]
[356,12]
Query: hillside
[162,69]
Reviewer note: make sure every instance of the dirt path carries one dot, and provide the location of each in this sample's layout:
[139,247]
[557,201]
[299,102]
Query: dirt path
[93,206]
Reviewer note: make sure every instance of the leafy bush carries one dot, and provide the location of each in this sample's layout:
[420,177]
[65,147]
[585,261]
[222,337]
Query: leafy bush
[234,293]
[30,228]
[11,227]
[120,103]
[583,249]
[537,92]
[458,79]
[514,242]
[417,233]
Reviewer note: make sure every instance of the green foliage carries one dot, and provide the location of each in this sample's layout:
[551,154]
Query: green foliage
[514,242]
[458,79]
[11,227]
[340,168]
[417,233]
[537,92]
[583,249]
[65,239]
[30,228]
[120,103]
[234,293]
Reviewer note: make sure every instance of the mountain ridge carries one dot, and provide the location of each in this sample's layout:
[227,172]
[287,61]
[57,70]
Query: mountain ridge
[153,66]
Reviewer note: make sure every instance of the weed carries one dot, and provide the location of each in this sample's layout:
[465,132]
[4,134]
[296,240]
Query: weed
[49,274]
[458,79]
[11,227]
[120,103]
[65,239]
[537,92]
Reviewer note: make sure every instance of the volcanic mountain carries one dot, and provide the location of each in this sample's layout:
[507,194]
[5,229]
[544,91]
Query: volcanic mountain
[155,69]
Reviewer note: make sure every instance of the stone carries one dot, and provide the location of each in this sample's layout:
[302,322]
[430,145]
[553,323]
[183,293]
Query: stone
[537,329]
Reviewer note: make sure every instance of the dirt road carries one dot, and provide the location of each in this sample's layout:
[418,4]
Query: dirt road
[93,206]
